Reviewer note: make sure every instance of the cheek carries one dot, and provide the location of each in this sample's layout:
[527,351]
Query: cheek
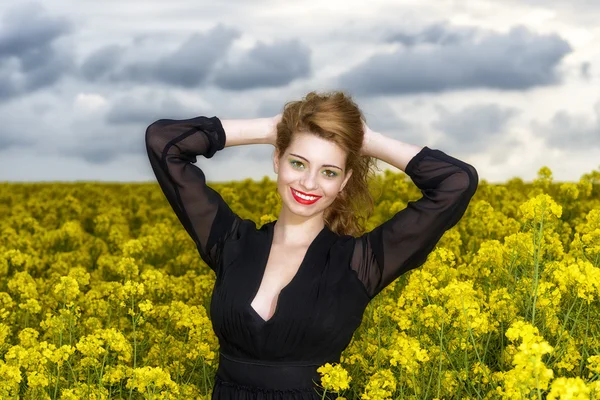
[286,176]
[331,189]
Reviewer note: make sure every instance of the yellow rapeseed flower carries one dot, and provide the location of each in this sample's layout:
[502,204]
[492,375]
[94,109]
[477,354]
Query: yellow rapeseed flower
[406,351]
[10,378]
[529,374]
[541,206]
[149,379]
[569,389]
[334,377]
[381,386]
[67,290]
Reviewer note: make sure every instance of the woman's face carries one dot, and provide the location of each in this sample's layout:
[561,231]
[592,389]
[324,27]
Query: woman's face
[313,166]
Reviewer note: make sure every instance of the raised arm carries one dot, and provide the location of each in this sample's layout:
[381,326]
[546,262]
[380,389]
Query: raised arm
[172,147]
[404,241]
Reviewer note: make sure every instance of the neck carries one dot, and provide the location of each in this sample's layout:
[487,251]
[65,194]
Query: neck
[294,230]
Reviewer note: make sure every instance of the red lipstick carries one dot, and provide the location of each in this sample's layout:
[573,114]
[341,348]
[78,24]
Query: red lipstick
[304,201]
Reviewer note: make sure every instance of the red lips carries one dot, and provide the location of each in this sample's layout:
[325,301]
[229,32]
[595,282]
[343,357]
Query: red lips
[303,201]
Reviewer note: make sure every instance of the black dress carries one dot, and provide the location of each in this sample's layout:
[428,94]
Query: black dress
[319,310]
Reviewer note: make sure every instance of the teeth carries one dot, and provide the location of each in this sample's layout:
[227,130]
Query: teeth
[304,197]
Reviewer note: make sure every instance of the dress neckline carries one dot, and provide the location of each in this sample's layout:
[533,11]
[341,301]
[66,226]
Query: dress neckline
[310,251]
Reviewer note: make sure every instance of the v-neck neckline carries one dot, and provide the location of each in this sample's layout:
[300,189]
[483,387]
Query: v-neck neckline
[265,260]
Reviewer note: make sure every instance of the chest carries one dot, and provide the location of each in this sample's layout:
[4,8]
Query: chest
[282,266]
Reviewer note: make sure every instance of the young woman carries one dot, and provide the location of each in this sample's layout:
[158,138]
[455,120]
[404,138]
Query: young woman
[289,296]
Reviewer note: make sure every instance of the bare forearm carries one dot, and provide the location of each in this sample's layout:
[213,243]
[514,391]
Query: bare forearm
[392,151]
[247,131]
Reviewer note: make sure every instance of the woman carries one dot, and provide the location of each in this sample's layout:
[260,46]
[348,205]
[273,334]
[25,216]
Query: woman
[289,296]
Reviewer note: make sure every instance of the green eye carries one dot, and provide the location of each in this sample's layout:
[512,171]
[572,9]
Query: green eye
[328,173]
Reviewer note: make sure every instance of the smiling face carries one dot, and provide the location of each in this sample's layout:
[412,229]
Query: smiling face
[312,166]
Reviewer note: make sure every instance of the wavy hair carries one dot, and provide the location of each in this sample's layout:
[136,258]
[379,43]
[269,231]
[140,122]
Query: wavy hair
[334,116]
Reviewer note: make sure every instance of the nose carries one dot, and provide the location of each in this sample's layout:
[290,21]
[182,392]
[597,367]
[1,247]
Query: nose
[308,181]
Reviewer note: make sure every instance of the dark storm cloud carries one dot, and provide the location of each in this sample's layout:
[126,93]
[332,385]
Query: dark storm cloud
[144,111]
[266,65]
[473,128]
[29,57]
[188,65]
[568,131]
[517,60]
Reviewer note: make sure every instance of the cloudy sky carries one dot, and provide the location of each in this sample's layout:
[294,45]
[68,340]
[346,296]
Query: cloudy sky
[508,86]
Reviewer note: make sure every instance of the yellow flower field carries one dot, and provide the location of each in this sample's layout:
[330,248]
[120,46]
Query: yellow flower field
[104,295]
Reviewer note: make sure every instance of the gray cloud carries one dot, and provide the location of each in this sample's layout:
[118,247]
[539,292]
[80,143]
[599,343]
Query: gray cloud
[100,62]
[567,131]
[188,65]
[144,111]
[266,65]
[29,57]
[122,129]
[18,128]
[10,138]
[392,121]
[200,60]
[519,59]
[473,128]
[270,107]
[257,152]
[103,146]
[473,122]
[27,28]
[440,33]
[584,70]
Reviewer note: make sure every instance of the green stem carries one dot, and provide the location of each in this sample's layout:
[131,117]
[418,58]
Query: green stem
[378,331]
[187,334]
[584,350]
[556,356]
[324,392]
[102,366]
[440,358]
[134,345]
[56,384]
[562,331]
[536,252]
[474,344]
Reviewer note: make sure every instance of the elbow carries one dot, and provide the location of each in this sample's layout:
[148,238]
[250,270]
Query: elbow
[473,179]
[467,180]
[153,137]
[153,128]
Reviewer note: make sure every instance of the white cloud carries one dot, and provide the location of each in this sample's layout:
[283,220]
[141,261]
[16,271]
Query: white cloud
[89,102]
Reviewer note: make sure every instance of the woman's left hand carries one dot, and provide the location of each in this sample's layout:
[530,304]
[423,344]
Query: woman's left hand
[366,140]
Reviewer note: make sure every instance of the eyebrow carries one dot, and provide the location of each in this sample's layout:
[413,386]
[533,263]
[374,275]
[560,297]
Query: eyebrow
[324,165]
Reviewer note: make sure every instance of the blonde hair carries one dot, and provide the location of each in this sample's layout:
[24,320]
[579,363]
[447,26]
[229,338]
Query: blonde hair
[334,116]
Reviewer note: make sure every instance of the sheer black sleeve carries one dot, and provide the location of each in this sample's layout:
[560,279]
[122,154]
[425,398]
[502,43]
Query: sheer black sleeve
[404,241]
[172,147]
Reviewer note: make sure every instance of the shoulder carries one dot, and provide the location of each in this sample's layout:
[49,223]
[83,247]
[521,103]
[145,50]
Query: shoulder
[249,227]
[342,243]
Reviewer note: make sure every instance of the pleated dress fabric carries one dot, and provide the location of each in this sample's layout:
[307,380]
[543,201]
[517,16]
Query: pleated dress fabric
[322,306]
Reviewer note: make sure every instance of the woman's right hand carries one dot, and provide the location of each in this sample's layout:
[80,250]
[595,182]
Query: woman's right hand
[272,135]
